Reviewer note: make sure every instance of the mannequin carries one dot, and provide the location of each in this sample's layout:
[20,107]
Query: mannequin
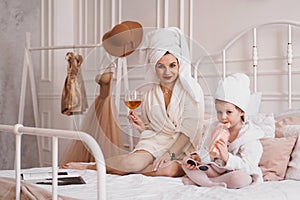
[101,122]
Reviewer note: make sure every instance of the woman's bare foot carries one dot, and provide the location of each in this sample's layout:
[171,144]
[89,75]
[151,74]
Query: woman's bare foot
[223,185]
[76,165]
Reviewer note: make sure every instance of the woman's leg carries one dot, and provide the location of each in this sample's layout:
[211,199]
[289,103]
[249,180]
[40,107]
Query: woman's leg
[129,163]
[171,169]
[121,164]
[235,179]
[201,178]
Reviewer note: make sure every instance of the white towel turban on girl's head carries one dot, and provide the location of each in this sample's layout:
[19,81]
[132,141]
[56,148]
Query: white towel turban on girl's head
[234,89]
[171,39]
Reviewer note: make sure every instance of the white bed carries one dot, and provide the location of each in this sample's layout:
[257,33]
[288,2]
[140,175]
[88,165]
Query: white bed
[136,186]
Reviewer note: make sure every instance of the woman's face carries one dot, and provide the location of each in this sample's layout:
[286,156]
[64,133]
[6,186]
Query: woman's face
[167,70]
[228,112]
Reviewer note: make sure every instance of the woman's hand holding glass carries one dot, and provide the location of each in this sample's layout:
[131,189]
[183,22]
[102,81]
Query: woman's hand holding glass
[136,121]
[133,100]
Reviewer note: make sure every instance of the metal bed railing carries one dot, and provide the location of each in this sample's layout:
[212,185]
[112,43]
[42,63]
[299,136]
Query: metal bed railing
[93,146]
[289,56]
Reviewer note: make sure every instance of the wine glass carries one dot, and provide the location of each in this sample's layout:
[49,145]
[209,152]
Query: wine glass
[132,99]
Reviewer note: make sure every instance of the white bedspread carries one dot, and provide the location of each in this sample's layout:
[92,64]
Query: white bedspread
[137,186]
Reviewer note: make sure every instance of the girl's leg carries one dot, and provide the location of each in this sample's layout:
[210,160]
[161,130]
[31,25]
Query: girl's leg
[187,181]
[235,179]
[213,171]
[200,178]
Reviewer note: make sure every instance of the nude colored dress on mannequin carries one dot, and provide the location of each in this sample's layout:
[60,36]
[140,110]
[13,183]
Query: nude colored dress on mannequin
[101,122]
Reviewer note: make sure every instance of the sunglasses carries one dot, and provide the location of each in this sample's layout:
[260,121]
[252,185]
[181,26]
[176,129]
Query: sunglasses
[197,164]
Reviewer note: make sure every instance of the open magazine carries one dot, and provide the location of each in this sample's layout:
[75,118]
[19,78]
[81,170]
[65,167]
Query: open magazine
[46,178]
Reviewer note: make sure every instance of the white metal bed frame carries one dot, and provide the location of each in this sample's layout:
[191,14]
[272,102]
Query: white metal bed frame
[19,130]
[289,55]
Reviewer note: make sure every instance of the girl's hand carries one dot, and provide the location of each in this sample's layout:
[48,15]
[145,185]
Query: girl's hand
[222,147]
[195,157]
[136,121]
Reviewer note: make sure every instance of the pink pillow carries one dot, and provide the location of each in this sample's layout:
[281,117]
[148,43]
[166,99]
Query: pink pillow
[275,157]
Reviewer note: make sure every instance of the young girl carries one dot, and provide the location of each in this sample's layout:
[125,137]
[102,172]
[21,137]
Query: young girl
[234,163]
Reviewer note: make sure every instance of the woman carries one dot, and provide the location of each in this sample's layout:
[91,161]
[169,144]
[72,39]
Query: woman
[172,111]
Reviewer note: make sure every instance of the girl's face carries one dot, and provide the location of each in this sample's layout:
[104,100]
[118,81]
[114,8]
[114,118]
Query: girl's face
[167,70]
[228,112]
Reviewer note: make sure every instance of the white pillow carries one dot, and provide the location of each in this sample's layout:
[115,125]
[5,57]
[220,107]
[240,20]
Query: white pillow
[254,104]
[293,171]
[266,122]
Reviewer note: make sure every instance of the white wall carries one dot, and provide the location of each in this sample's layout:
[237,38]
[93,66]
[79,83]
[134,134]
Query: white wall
[220,21]
[16,17]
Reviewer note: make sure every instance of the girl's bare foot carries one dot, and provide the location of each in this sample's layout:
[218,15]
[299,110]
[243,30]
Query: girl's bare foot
[222,184]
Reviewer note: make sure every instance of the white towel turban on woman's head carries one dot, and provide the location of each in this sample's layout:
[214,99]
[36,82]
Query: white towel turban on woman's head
[234,89]
[172,40]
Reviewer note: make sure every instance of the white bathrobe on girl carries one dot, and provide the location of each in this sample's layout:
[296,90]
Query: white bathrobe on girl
[244,152]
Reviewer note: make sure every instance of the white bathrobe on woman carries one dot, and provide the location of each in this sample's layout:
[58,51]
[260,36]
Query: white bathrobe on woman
[183,115]
[185,112]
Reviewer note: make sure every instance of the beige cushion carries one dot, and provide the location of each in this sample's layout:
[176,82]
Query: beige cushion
[293,171]
[275,157]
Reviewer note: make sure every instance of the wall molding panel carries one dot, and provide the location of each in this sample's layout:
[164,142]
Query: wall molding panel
[46,39]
